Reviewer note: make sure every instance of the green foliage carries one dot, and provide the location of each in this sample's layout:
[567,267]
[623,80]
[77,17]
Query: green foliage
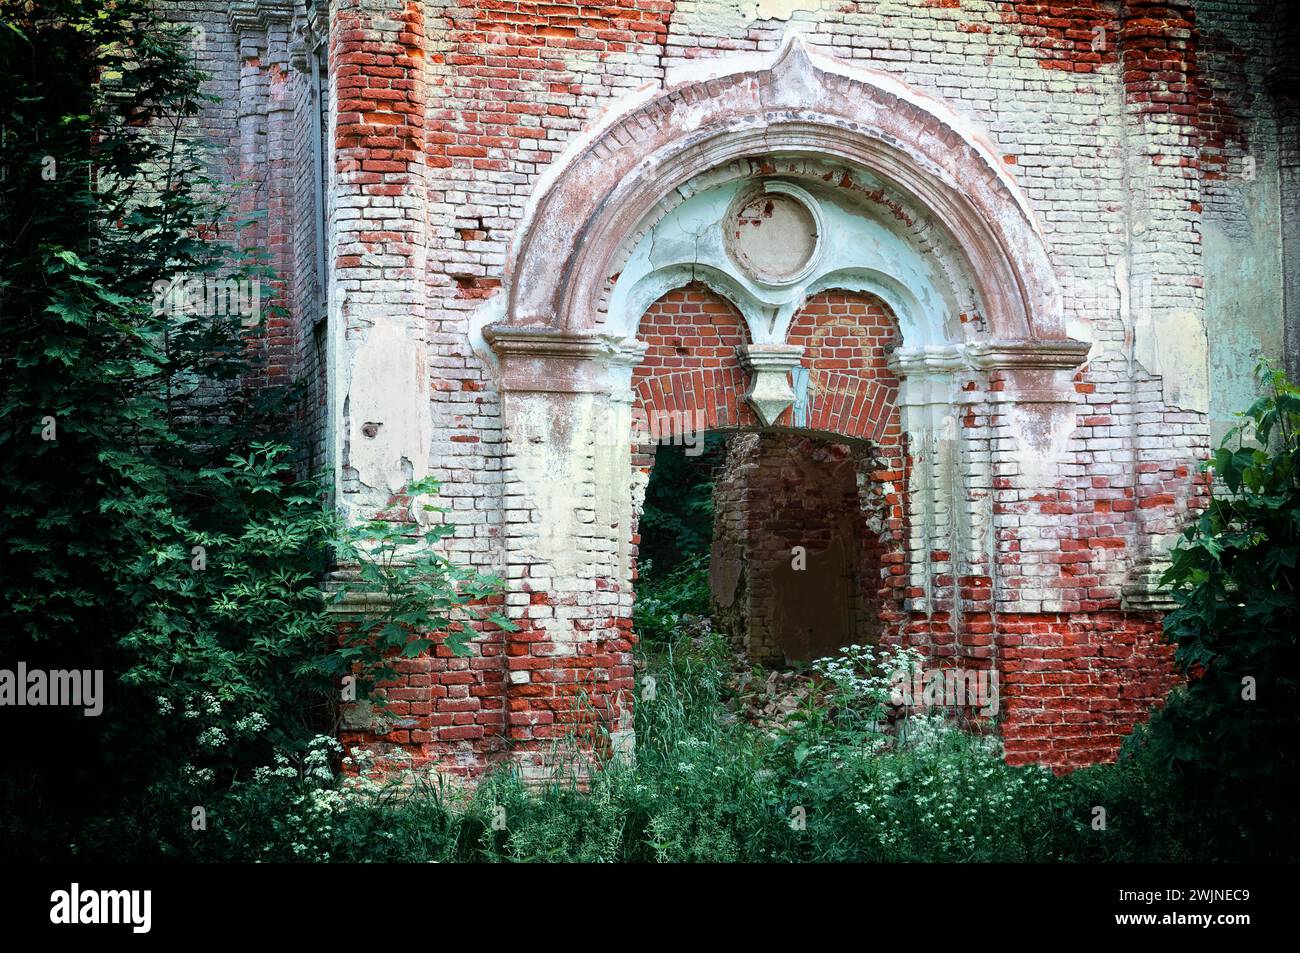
[153,521]
[668,602]
[677,520]
[421,598]
[1230,733]
[226,624]
[708,787]
[705,787]
[126,441]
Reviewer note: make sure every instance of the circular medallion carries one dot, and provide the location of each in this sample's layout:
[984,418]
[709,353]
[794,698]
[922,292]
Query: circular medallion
[773,233]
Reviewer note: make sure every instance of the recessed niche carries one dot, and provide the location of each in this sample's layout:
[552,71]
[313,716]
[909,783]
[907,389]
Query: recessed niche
[773,233]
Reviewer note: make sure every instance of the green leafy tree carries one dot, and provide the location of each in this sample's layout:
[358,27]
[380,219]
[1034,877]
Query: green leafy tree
[154,524]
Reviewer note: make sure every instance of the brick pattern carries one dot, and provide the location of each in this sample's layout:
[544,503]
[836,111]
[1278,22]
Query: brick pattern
[1074,686]
[259,130]
[691,365]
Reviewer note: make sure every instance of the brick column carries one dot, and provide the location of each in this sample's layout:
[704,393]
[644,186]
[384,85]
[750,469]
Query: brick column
[378,247]
[987,425]
[1162,296]
[444,711]
[265,166]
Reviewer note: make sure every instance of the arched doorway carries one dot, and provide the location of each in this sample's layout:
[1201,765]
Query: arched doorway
[801,531]
[769,186]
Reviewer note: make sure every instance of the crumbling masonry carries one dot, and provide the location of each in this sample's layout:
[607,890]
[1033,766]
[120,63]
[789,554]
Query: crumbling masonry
[998,271]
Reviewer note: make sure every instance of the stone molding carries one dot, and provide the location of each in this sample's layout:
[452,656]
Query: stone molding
[1047,354]
[1144,591]
[604,187]
[1033,365]
[354,604]
[554,360]
[624,356]
[258,14]
[770,392]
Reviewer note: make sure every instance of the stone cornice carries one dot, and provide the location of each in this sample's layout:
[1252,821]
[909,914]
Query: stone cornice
[770,357]
[514,341]
[1042,354]
[310,36]
[1144,590]
[257,14]
[624,355]
[921,361]
[625,352]
[545,359]
[355,601]
[1051,354]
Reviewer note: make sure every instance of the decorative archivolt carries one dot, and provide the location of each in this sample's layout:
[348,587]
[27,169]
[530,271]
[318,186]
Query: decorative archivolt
[798,104]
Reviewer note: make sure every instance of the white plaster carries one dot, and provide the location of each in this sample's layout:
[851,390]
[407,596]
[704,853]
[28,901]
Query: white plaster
[1179,348]
[781,9]
[701,69]
[550,436]
[489,312]
[1171,345]
[387,387]
[1042,433]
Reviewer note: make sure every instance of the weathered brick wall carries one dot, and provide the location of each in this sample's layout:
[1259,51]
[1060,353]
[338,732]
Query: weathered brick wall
[691,373]
[259,132]
[1073,681]
[1126,125]
[516,85]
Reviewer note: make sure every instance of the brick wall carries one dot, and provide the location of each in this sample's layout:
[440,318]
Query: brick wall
[259,132]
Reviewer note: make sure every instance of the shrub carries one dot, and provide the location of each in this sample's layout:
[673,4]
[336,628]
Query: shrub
[1229,734]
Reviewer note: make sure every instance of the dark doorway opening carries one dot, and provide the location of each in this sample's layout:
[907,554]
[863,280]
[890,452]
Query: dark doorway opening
[775,537]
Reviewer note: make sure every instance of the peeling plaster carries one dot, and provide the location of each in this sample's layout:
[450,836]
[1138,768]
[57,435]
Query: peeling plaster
[1177,348]
[865,246]
[1042,433]
[1243,301]
[553,433]
[1173,346]
[782,9]
[388,416]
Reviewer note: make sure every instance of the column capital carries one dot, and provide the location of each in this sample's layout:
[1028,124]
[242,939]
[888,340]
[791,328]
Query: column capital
[546,359]
[1045,354]
[624,354]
